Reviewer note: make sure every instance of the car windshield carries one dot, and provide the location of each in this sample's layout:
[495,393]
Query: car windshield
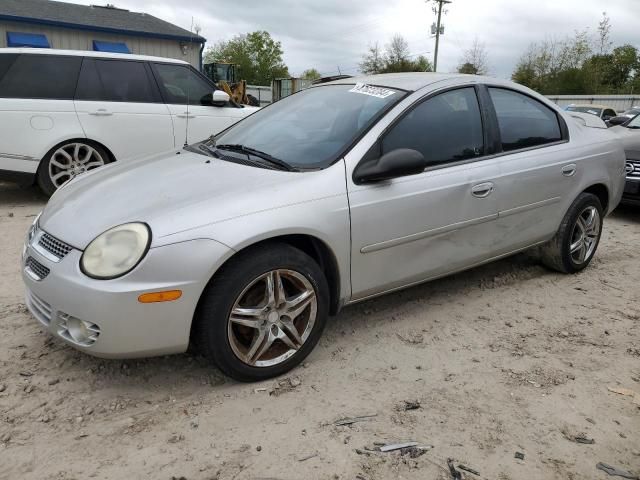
[633,111]
[312,128]
[634,123]
[591,110]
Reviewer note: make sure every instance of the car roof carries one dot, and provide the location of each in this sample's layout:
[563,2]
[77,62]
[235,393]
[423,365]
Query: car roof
[89,53]
[591,105]
[413,81]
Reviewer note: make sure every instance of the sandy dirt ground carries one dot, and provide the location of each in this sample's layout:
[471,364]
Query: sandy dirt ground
[505,358]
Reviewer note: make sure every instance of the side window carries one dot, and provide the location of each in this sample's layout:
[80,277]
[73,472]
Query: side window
[609,113]
[523,121]
[39,76]
[178,81]
[445,128]
[116,81]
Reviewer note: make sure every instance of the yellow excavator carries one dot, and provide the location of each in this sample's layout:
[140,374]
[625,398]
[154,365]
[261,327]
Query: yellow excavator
[225,76]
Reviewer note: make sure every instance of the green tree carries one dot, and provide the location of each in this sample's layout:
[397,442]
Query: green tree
[311,74]
[395,58]
[258,55]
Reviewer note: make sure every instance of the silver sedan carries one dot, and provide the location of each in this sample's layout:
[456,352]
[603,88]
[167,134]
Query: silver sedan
[243,244]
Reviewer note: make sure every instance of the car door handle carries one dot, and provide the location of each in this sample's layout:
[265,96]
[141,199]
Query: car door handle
[482,190]
[185,115]
[101,112]
[569,170]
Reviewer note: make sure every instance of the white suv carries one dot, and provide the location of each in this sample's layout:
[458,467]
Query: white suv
[63,112]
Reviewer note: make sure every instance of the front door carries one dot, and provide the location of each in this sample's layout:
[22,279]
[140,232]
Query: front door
[413,228]
[188,97]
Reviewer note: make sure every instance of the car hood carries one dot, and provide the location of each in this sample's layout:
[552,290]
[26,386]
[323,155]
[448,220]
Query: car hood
[171,193]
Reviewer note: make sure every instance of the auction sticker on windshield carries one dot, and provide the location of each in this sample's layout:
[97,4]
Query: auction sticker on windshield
[372,91]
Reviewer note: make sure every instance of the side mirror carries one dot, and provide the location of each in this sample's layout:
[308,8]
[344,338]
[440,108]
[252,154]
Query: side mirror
[220,98]
[397,163]
[618,120]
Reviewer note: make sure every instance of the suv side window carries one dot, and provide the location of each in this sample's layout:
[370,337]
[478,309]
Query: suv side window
[445,128]
[523,121]
[51,77]
[179,81]
[115,81]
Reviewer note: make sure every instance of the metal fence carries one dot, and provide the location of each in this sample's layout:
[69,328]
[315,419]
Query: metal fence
[619,103]
[263,94]
[283,87]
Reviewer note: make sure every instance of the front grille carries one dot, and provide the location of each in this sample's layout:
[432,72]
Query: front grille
[632,169]
[54,246]
[39,308]
[34,267]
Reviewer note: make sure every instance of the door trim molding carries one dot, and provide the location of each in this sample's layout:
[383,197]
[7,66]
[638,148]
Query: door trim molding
[394,242]
[530,206]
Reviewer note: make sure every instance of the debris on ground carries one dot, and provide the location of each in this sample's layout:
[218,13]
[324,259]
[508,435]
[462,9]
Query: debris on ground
[577,437]
[285,385]
[308,457]
[407,405]
[397,446]
[519,455]
[635,396]
[467,469]
[455,474]
[616,472]
[352,420]
[412,338]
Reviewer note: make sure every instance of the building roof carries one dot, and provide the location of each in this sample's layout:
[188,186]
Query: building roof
[94,18]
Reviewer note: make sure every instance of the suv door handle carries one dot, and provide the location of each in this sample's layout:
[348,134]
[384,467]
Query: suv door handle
[569,170]
[482,190]
[101,112]
[185,115]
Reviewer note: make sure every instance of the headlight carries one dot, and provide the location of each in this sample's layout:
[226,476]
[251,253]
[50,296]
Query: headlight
[32,229]
[116,251]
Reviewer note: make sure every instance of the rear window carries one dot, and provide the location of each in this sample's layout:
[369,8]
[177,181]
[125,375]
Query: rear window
[38,76]
[524,122]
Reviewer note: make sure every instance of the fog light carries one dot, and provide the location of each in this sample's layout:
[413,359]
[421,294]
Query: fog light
[78,331]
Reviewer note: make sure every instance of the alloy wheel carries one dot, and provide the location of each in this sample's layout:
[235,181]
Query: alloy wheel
[584,237]
[71,160]
[272,318]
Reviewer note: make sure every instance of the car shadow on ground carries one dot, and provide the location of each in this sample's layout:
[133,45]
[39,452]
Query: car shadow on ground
[626,212]
[15,195]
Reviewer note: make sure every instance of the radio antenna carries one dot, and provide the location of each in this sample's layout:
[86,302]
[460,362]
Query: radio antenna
[186,130]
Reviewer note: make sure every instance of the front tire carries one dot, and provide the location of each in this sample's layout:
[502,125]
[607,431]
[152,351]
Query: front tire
[575,243]
[67,161]
[263,313]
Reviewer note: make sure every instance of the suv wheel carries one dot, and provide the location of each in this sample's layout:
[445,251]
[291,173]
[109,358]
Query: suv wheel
[263,313]
[576,241]
[68,161]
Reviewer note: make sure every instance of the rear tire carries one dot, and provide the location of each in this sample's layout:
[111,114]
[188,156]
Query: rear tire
[68,160]
[576,241]
[250,334]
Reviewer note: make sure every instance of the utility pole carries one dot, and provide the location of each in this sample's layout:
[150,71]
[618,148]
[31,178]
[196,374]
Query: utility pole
[438,9]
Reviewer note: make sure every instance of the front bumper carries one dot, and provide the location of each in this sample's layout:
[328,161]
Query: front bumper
[127,328]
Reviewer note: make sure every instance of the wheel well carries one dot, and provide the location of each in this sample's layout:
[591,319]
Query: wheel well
[321,253]
[600,191]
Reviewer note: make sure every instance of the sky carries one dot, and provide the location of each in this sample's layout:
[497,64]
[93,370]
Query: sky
[332,35]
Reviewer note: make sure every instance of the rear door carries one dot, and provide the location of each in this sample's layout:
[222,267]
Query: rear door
[119,105]
[188,97]
[538,169]
[413,228]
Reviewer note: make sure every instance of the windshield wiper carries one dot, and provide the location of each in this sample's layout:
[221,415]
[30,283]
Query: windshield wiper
[257,153]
